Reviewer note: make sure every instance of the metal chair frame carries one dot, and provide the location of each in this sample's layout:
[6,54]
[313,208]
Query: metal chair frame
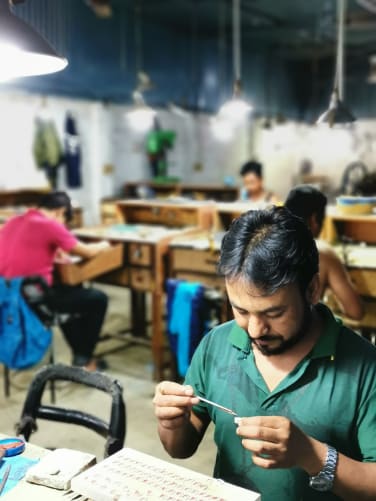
[114,431]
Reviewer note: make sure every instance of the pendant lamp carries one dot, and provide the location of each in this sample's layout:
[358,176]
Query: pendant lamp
[372,69]
[337,113]
[140,116]
[236,108]
[23,51]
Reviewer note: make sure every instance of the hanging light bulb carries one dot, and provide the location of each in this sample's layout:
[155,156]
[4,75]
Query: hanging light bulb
[236,109]
[372,69]
[141,116]
[337,113]
[23,51]
[222,129]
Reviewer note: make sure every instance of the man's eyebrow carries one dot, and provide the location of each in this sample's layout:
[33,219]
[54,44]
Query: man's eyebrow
[272,309]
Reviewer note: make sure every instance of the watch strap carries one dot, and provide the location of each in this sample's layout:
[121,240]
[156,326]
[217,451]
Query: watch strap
[324,480]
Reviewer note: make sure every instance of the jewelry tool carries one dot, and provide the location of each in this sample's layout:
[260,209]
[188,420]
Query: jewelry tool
[225,409]
[5,478]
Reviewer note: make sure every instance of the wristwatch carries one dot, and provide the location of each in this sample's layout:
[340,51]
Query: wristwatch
[324,480]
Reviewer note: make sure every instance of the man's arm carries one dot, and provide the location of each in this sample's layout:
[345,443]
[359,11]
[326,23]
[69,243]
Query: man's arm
[179,428]
[277,443]
[340,283]
[89,250]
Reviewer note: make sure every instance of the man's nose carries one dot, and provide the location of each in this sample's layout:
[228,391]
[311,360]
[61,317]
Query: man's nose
[257,327]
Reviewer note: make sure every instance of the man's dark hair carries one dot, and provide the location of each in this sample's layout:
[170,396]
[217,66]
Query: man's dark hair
[251,167]
[306,200]
[57,200]
[270,249]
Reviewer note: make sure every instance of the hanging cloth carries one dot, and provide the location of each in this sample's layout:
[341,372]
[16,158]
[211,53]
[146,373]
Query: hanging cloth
[47,148]
[72,147]
[185,321]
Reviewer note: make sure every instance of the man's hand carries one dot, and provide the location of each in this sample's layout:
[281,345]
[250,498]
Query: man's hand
[277,443]
[173,403]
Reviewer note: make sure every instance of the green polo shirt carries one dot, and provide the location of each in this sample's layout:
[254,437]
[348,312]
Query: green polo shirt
[330,395]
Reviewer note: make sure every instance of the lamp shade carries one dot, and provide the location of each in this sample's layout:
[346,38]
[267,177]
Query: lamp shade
[23,51]
[337,113]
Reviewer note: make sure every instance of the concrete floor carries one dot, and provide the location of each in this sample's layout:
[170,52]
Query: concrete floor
[133,368]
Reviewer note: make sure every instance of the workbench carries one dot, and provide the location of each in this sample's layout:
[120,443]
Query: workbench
[360,262]
[337,226]
[146,231]
[192,191]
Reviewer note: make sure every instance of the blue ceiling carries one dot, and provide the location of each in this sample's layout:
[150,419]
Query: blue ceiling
[185,47]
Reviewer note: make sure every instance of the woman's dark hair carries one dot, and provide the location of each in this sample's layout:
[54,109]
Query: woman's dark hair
[57,200]
[269,249]
[306,200]
[251,167]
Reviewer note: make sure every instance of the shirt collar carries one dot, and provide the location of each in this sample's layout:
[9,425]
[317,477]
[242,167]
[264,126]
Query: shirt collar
[239,338]
[325,346]
[327,343]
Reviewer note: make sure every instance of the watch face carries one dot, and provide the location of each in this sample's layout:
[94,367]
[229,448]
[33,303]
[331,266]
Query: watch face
[320,484]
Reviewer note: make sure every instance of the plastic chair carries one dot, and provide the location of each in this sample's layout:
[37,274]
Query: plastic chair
[35,291]
[114,431]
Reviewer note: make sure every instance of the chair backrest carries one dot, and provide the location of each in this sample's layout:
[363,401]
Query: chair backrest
[114,430]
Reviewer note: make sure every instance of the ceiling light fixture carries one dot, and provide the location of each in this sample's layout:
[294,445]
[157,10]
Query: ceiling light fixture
[23,51]
[236,108]
[372,69]
[141,116]
[337,113]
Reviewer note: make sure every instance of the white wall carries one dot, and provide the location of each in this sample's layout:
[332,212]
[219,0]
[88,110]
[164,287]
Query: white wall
[284,147]
[107,139]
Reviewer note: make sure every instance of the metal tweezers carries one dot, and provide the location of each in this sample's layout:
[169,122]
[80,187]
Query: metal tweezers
[5,478]
[221,407]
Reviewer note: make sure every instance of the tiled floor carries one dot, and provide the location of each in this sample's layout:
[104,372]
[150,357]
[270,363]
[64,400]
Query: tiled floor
[132,367]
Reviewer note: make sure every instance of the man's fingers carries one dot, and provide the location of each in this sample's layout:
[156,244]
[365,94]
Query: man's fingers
[276,422]
[171,388]
[259,433]
[261,447]
[265,463]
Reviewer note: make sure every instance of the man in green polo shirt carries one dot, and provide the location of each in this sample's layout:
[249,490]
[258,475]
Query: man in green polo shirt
[302,385]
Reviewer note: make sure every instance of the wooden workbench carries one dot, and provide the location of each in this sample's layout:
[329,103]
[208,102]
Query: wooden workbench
[193,191]
[146,231]
[360,228]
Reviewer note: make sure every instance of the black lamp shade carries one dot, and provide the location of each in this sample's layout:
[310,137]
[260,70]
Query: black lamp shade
[23,51]
[337,113]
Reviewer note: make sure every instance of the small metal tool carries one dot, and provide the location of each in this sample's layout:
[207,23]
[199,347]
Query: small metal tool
[225,409]
[5,478]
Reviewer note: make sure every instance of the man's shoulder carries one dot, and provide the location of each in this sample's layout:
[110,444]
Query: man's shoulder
[219,334]
[326,250]
[355,347]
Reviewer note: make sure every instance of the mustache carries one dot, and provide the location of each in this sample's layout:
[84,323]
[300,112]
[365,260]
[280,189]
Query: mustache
[266,337]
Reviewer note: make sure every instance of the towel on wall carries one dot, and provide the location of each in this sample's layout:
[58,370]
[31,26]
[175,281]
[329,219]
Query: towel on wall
[185,320]
[72,145]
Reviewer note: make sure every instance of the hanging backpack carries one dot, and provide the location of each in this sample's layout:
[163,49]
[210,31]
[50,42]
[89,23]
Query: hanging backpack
[23,338]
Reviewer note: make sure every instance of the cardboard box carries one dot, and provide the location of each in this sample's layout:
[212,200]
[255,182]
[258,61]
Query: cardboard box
[88,269]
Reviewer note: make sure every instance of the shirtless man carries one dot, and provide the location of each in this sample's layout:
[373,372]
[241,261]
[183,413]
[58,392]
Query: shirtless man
[309,203]
[253,185]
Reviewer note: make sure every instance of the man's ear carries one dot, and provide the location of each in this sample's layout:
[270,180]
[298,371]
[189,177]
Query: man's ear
[313,290]
[314,225]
